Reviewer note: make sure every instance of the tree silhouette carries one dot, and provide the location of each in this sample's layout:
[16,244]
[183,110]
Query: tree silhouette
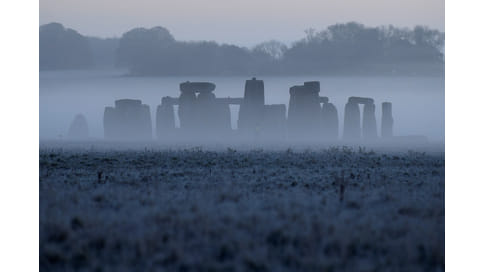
[62,48]
[349,48]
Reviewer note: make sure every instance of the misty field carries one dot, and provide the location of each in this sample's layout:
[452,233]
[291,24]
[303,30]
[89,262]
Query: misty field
[192,209]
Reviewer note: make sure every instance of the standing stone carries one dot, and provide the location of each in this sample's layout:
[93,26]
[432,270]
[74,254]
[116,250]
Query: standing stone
[186,108]
[78,128]
[293,115]
[304,121]
[330,122]
[351,127]
[273,126]
[223,119]
[369,122]
[212,117]
[165,118]
[110,123]
[252,108]
[144,123]
[386,120]
[128,120]
[204,114]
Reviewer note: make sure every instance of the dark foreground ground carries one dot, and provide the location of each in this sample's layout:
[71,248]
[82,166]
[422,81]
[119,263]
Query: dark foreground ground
[336,209]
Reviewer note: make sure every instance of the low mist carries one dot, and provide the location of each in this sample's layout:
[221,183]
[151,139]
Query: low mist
[87,83]
[418,102]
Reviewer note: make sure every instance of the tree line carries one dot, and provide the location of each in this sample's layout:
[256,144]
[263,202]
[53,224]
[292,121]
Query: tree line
[349,48]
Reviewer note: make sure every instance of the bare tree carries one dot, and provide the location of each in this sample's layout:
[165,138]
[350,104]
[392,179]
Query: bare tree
[273,48]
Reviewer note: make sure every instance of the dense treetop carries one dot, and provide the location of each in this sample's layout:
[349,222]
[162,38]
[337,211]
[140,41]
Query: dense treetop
[349,48]
[61,48]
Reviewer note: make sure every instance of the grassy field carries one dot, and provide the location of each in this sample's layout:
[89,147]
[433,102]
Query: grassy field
[191,209]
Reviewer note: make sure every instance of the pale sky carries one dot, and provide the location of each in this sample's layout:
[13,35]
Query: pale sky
[237,22]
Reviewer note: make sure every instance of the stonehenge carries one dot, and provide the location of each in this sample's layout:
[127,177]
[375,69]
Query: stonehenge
[200,113]
[202,116]
[353,129]
[306,119]
[127,120]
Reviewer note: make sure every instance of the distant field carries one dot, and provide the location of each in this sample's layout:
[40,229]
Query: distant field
[195,209]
